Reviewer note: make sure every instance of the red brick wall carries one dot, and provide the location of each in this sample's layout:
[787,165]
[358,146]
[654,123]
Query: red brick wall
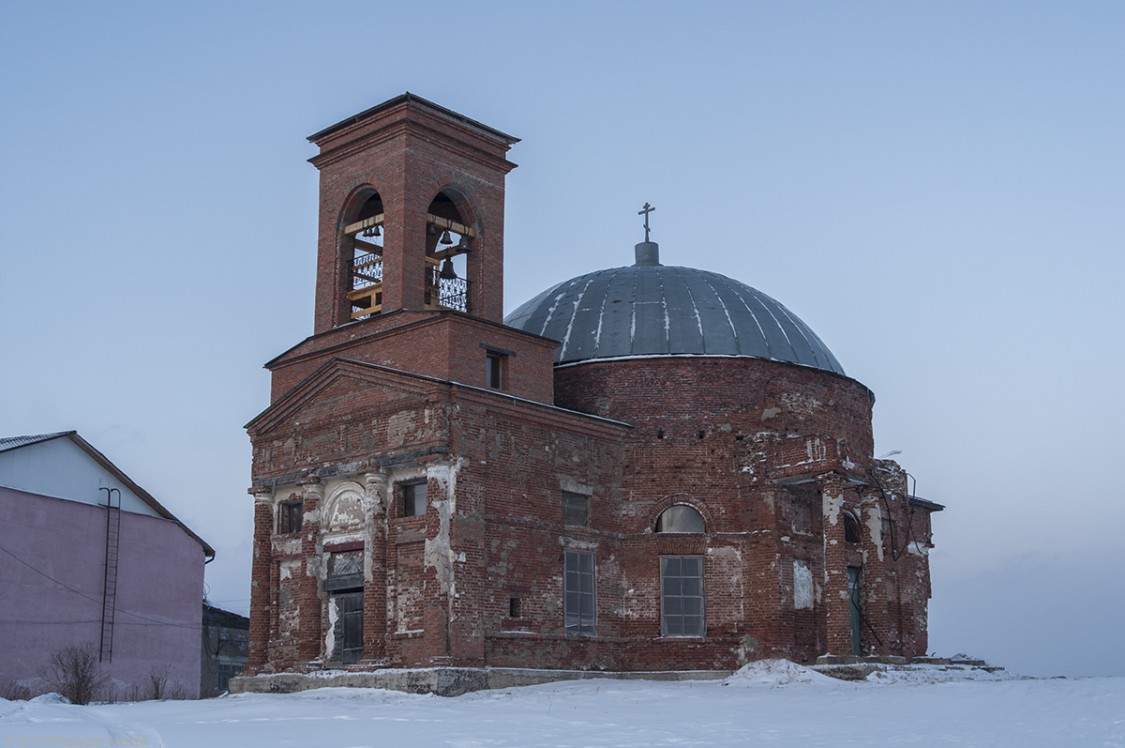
[505,535]
[446,345]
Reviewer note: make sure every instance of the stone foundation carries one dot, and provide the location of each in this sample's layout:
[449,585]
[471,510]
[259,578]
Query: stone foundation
[452,681]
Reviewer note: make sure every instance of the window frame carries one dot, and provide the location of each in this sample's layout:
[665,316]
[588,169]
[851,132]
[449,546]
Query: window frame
[335,579]
[287,511]
[495,370]
[668,596]
[407,498]
[574,498]
[586,617]
[674,509]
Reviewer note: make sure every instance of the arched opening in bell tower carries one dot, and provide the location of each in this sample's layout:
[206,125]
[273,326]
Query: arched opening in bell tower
[448,242]
[363,259]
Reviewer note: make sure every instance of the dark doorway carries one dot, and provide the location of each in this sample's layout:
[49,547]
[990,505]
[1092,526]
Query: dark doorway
[349,627]
[853,597]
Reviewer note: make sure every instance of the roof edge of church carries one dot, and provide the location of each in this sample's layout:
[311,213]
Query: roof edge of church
[408,97]
[645,356]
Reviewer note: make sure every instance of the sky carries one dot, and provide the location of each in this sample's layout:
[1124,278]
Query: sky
[936,189]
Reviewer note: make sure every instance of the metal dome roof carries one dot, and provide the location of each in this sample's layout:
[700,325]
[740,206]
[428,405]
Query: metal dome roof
[649,309]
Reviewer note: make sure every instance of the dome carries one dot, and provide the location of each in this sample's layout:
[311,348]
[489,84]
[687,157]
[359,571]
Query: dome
[649,309]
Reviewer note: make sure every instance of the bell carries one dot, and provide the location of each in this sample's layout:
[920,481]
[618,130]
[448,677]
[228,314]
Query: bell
[376,231]
[447,271]
[445,237]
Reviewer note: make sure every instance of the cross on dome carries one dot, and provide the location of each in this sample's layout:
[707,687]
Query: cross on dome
[644,212]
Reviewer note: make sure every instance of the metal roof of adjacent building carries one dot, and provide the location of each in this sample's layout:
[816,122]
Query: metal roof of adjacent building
[13,442]
[9,443]
[649,309]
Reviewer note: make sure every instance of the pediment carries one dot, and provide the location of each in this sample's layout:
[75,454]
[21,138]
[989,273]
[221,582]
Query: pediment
[347,384]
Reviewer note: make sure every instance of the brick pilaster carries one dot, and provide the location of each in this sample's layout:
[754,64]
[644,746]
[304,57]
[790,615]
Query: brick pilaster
[837,604]
[311,643]
[260,589]
[375,585]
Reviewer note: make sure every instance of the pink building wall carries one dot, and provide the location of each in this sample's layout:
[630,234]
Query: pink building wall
[159,593]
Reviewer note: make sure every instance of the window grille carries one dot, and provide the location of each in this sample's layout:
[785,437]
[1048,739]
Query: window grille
[578,601]
[681,584]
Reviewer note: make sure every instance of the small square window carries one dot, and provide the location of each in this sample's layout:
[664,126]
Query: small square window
[494,370]
[290,516]
[576,509]
[413,499]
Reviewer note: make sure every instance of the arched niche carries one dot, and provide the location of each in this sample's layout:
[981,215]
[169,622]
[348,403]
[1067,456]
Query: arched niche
[344,511]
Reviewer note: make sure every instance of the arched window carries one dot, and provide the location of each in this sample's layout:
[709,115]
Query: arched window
[680,518]
[364,255]
[447,242]
[851,528]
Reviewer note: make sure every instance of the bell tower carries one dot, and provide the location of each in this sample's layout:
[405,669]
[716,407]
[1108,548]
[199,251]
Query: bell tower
[411,214]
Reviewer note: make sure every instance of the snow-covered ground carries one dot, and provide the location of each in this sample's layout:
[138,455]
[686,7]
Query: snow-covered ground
[767,704]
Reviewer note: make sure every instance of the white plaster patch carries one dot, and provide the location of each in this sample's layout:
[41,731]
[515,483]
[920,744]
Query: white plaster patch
[330,632]
[566,483]
[816,450]
[287,569]
[874,525]
[797,402]
[726,553]
[832,507]
[569,542]
[438,554]
[802,585]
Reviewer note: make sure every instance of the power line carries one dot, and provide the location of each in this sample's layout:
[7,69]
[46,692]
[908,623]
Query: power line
[152,621]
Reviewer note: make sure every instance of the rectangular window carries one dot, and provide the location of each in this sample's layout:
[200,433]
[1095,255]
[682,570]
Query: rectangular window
[513,607]
[681,587]
[576,509]
[345,570]
[226,672]
[494,370]
[290,515]
[578,593]
[413,499]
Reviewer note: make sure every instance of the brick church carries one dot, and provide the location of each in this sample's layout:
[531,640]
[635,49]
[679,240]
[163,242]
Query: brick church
[648,467]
